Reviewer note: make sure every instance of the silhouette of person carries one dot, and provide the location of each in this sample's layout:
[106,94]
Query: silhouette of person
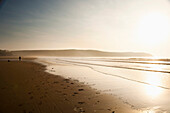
[19,58]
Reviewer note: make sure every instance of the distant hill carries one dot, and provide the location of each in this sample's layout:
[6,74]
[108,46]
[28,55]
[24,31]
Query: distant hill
[5,53]
[79,53]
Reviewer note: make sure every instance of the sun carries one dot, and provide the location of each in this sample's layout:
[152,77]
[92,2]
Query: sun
[153,29]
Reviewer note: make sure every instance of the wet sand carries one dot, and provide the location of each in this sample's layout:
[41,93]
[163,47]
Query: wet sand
[25,87]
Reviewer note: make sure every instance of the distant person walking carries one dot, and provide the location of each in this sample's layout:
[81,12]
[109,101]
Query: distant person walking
[19,58]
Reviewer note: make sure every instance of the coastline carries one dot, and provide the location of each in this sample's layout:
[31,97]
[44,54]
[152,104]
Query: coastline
[26,87]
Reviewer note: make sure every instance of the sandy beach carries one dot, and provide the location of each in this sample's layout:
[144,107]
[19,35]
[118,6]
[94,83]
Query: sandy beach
[27,88]
[84,56]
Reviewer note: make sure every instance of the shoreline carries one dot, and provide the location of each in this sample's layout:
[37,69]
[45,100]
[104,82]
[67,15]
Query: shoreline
[26,87]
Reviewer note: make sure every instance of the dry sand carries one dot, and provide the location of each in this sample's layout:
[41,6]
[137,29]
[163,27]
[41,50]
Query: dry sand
[26,88]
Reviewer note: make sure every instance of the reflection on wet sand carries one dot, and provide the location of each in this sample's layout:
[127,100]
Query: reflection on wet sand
[153,91]
[145,90]
[154,80]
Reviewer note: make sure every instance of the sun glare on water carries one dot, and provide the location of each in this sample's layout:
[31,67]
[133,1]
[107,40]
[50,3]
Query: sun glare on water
[153,90]
[153,29]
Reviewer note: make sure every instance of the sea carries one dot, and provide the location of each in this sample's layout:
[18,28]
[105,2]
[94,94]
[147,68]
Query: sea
[143,83]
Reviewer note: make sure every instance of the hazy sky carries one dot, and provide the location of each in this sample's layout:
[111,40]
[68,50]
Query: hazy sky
[112,25]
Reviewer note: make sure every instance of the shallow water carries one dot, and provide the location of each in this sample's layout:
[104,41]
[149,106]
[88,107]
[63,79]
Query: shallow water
[142,83]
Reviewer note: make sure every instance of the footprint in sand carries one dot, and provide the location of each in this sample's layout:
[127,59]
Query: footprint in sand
[43,83]
[40,103]
[64,94]
[81,102]
[58,91]
[79,110]
[80,89]
[97,92]
[41,97]
[110,110]
[20,105]
[55,82]
[66,80]
[29,92]
[31,97]
[76,93]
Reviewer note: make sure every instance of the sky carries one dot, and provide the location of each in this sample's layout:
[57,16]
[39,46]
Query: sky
[110,25]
